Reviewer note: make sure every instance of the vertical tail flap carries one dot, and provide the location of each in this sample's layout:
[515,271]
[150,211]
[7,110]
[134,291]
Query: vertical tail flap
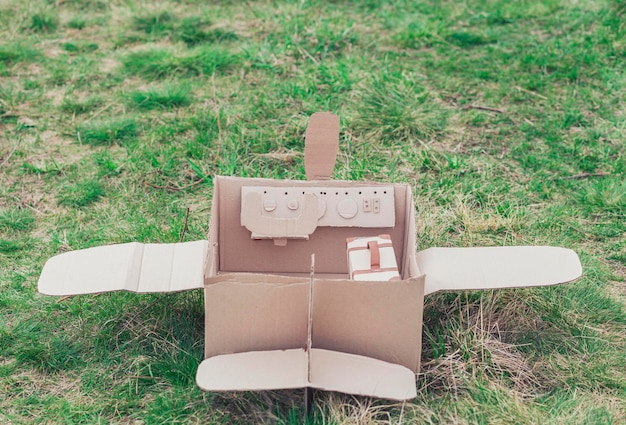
[321,145]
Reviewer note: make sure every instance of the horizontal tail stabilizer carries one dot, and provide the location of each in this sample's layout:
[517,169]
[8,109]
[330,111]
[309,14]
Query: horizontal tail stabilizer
[497,267]
[132,267]
[359,375]
[329,370]
[254,371]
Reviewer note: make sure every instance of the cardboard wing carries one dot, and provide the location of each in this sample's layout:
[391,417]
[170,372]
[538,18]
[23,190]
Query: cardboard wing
[134,267]
[497,267]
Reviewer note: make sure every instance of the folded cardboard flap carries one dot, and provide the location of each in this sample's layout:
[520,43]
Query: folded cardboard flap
[352,374]
[323,369]
[250,312]
[381,320]
[497,267]
[132,267]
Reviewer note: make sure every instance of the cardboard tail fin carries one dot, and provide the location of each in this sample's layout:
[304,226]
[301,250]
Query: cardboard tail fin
[497,267]
[328,370]
[132,267]
[321,145]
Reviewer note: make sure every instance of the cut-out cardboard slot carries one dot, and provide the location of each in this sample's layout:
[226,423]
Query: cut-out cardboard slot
[271,322]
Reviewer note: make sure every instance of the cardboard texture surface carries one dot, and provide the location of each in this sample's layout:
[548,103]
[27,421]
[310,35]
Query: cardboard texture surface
[271,322]
[321,145]
[254,312]
[322,369]
[335,371]
[497,267]
[250,312]
[132,267]
[382,320]
[255,370]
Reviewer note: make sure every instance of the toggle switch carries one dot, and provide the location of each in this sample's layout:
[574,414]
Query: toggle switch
[367,205]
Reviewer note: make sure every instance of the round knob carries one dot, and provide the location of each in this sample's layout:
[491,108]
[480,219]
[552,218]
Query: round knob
[293,205]
[269,205]
[321,208]
[347,208]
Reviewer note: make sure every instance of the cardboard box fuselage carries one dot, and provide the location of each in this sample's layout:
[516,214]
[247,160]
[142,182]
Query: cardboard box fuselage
[257,292]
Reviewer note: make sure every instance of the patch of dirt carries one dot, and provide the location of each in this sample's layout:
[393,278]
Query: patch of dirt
[34,69]
[618,288]
[108,65]
[52,52]
[65,147]
[55,95]
[282,155]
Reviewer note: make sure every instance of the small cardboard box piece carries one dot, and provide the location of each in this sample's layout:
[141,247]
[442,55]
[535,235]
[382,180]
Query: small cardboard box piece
[372,258]
[281,311]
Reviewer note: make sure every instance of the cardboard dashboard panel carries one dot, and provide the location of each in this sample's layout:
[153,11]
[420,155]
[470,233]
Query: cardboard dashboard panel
[238,252]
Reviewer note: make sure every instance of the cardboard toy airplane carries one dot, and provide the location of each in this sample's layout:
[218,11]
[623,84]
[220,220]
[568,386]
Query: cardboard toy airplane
[275,319]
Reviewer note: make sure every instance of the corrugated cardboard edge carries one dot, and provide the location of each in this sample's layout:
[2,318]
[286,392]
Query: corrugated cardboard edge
[212,263]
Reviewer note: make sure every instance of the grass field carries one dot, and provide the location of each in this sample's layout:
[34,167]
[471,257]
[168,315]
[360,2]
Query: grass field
[507,118]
